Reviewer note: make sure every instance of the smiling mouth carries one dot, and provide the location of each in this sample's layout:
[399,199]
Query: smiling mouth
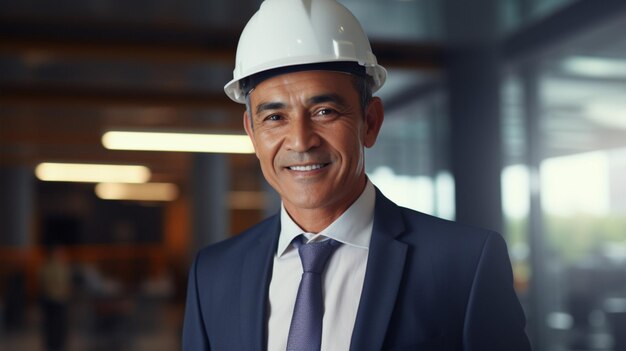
[307,168]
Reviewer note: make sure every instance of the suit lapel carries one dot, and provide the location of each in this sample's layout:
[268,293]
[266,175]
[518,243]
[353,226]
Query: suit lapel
[383,275]
[255,279]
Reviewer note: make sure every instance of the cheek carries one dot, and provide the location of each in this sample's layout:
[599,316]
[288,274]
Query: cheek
[349,144]
[353,139]
[346,133]
[267,148]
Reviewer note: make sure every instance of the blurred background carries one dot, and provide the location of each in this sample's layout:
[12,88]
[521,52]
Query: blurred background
[505,114]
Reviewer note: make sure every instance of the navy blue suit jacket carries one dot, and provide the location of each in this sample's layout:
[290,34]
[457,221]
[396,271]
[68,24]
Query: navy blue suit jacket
[430,284]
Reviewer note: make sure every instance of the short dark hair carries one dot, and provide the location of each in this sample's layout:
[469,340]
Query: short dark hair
[363,86]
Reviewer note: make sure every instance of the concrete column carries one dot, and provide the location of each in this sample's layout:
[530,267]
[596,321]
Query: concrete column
[540,291]
[16,206]
[473,86]
[210,210]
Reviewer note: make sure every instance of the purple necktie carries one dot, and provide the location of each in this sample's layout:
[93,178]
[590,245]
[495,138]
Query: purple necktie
[305,332]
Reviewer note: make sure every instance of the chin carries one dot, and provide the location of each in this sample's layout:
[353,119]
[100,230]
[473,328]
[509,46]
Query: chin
[307,202]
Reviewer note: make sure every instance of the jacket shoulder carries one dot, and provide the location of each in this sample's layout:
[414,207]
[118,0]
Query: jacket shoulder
[443,241]
[439,228]
[414,225]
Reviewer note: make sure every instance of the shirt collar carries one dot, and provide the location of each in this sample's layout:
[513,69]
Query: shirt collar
[352,228]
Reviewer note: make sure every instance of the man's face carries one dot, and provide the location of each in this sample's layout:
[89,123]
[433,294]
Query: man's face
[309,133]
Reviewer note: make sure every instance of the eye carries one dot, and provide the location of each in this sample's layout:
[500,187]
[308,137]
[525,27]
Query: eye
[273,118]
[326,112]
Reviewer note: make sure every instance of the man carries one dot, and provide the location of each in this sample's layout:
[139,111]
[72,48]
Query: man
[56,289]
[341,267]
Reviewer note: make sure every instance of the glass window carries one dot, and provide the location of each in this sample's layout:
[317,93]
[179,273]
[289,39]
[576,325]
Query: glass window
[408,162]
[571,244]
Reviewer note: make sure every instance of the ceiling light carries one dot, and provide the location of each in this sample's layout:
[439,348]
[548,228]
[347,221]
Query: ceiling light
[92,173]
[596,67]
[138,192]
[182,142]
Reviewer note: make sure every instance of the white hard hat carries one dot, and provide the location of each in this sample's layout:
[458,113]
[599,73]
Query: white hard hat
[297,32]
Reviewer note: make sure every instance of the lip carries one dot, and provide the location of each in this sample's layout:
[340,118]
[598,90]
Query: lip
[308,168]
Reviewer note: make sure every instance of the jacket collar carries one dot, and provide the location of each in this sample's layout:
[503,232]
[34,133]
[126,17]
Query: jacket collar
[256,275]
[383,275]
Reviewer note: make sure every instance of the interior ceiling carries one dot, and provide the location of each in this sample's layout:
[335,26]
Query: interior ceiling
[568,98]
[72,70]
[70,73]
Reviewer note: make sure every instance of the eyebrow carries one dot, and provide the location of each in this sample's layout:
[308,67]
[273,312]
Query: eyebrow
[319,99]
[269,106]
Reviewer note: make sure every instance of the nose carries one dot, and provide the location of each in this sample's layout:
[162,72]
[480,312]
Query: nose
[301,135]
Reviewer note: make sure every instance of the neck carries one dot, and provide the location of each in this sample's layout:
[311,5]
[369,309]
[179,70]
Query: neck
[314,220]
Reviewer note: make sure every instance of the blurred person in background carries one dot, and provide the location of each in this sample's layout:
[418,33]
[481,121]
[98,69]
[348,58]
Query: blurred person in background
[341,267]
[56,289]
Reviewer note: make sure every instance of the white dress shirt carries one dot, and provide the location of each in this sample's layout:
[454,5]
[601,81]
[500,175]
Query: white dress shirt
[342,280]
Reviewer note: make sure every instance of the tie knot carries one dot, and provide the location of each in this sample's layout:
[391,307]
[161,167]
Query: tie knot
[314,256]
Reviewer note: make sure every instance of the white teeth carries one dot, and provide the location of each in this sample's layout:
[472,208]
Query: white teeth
[306,168]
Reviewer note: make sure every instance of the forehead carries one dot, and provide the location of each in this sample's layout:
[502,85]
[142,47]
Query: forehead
[303,85]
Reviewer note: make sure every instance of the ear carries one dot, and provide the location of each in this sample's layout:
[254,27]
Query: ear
[247,125]
[374,116]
